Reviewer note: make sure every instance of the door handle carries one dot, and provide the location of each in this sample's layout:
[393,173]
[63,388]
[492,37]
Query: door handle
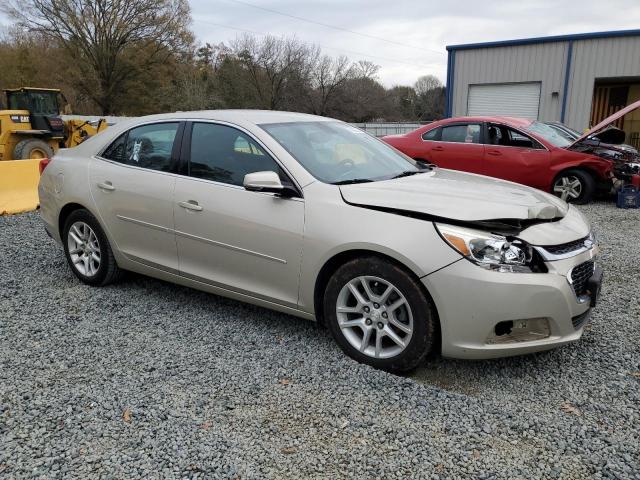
[108,186]
[438,149]
[494,152]
[191,205]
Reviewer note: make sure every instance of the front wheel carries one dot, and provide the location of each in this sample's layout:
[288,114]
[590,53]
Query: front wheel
[574,186]
[379,315]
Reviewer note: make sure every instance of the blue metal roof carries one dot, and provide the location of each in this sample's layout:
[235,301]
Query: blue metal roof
[555,38]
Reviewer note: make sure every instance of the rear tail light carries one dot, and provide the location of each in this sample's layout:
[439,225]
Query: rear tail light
[43,164]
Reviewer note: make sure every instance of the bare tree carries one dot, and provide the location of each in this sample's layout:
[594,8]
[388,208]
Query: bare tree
[327,77]
[431,94]
[427,83]
[112,40]
[366,69]
[271,63]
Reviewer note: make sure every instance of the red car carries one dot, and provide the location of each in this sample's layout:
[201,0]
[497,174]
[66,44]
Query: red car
[520,150]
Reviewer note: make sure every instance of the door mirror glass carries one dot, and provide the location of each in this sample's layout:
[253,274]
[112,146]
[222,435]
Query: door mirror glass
[263,182]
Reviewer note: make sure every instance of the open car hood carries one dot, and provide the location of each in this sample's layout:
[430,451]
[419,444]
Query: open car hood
[443,195]
[605,136]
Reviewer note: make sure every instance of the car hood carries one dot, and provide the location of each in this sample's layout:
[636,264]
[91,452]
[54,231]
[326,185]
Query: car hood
[606,122]
[447,194]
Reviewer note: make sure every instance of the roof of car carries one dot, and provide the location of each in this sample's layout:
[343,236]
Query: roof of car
[237,116]
[513,121]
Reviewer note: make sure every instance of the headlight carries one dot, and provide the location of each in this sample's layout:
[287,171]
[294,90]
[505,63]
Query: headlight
[493,252]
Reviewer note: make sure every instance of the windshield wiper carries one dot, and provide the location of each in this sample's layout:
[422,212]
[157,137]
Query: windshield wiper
[408,173]
[424,165]
[352,181]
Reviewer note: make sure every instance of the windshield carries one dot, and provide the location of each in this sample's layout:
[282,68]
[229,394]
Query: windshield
[337,152]
[548,133]
[566,132]
[38,103]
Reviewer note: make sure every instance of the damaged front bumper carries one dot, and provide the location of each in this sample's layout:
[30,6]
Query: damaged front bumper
[488,314]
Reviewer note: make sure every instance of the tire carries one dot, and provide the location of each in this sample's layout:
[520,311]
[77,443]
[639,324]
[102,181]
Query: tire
[415,313]
[32,148]
[100,271]
[582,191]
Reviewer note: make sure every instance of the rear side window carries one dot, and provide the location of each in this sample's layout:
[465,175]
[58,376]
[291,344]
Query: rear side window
[469,133]
[115,151]
[431,134]
[147,146]
[225,154]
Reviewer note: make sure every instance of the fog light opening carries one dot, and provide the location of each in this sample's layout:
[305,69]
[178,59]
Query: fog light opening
[503,328]
[524,330]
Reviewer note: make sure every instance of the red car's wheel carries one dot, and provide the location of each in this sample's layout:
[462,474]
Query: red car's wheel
[574,186]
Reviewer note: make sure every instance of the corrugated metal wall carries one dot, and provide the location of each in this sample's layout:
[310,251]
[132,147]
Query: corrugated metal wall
[542,63]
[546,63]
[598,58]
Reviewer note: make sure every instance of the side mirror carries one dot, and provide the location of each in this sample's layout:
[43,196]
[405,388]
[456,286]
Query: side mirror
[263,182]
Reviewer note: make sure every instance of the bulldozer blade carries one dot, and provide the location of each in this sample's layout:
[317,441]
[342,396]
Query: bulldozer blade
[19,186]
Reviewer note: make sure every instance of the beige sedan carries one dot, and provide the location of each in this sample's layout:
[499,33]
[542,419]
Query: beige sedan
[313,217]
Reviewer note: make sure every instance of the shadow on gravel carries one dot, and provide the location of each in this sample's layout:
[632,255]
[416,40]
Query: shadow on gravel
[476,377]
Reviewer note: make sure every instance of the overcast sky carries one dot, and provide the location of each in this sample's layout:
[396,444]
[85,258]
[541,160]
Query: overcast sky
[416,31]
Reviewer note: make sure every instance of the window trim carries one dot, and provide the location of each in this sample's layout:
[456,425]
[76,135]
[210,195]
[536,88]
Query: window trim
[175,149]
[185,156]
[517,130]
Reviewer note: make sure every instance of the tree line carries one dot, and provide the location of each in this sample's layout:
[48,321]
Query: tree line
[136,57]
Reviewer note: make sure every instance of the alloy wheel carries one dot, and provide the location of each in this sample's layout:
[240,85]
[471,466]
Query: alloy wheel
[374,317]
[568,187]
[84,249]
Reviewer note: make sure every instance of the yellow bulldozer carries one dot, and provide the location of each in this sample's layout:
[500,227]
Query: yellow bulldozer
[31,129]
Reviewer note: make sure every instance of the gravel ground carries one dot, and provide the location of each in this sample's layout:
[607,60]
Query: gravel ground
[144,378]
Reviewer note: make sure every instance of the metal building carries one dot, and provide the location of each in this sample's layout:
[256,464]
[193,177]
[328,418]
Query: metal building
[575,79]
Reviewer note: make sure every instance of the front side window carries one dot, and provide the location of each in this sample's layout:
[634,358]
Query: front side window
[335,152]
[508,137]
[225,154]
[147,146]
[466,133]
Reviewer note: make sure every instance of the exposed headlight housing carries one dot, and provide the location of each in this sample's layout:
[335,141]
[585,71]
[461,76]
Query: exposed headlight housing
[488,250]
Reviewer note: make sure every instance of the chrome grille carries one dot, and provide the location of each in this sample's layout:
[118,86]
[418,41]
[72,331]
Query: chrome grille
[566,247]
[579,276]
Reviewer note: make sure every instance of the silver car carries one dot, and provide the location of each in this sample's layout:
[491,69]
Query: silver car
[313,217]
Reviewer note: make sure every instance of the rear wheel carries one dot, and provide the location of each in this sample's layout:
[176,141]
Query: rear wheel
[574,186]
[379,315]
[32,149]
[87,250]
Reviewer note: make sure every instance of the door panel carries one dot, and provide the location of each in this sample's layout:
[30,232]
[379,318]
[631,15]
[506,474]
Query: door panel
[521,165]
[136,208]
[250,242]
[506,158]
[459,148]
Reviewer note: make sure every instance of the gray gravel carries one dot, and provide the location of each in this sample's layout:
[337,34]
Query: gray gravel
[145,378]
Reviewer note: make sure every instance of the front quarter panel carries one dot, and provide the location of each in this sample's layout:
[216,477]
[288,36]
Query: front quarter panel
[332,227]
[564,159]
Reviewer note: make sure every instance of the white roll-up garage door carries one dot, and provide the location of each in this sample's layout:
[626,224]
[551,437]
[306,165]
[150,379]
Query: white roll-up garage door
[506,99]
